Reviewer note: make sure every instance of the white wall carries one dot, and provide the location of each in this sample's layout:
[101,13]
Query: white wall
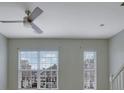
[116,54]
[3,62]
[71,60]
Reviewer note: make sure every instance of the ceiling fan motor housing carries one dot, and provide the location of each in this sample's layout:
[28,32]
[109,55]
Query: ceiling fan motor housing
[27,22]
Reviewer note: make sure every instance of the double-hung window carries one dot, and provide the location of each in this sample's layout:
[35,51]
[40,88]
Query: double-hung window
[89,70]
[38,69]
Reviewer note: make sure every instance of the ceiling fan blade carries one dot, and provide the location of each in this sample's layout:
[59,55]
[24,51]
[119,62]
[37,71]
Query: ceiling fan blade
[17,21]
[36,28]
[36,12]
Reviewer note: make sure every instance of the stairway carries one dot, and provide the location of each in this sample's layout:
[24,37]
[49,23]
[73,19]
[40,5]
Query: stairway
[117,80]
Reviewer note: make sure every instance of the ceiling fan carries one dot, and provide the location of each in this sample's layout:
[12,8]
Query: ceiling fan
[28,20]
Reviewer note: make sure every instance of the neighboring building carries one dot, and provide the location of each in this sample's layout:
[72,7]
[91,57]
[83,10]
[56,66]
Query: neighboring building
[25,74]
[49,77]
[28,77]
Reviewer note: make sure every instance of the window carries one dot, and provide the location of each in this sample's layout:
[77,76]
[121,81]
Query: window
[38,70]
[89,70]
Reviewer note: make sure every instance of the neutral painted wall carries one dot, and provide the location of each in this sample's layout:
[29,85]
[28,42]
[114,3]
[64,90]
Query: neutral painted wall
[3,62]
[116,54]
[71,60]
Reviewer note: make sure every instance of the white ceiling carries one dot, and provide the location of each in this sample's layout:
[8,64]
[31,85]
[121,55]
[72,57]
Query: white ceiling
[64,20]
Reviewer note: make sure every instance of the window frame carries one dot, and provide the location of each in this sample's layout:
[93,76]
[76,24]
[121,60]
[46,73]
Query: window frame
[38,50]
[89,50]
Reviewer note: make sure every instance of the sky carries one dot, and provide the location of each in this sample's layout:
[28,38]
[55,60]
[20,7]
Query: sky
[47,58]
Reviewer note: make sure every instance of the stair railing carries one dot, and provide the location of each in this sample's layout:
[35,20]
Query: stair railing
[117,80]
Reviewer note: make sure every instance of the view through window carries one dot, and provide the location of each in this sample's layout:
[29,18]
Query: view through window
[38,70]
[89,70]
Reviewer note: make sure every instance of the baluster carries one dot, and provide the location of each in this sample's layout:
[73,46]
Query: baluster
[117,83]
[111,82]
[114,85]
[123,79]
[120,81]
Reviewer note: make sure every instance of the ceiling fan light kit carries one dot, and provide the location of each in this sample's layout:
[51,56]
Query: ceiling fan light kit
[28,20]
